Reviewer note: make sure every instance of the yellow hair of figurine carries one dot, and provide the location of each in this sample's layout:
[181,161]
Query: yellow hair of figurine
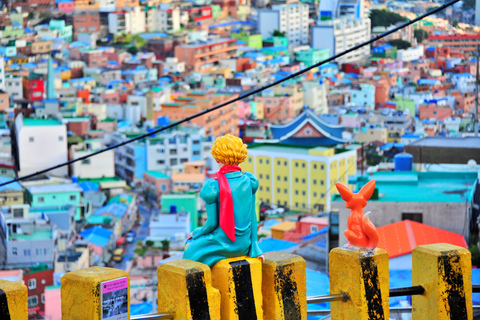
[229,150]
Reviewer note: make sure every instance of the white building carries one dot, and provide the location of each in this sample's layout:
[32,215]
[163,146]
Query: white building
[172,65]
[108,5]
[14,87]
[167,226]
[315,96]
[2,74]
[163,19]
[291,18]
[464,81]
[41,143]
[410,54]
[101,165]
[130,22]
[341,34]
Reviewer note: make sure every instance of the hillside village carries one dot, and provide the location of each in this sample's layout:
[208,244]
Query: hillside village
[77,77]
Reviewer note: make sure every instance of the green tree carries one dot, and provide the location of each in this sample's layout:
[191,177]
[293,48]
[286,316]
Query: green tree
[455,23]
[400,44]
[385,18]
[165,245]
[420,35]
[468,4]
[278,33]
[133,50]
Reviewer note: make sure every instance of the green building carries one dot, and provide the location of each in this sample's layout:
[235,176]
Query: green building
[312,56]
[55,195]
[252,40]
[385,51]
[403,104]
[275,42]
[183,202]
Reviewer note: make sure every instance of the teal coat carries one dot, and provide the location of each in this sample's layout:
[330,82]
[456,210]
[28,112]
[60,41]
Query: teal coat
[210,244]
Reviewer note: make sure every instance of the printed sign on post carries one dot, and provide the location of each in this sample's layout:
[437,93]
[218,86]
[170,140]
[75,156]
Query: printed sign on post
[114,295]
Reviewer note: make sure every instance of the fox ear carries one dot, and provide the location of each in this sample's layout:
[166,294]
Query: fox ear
[367,190]
[345,192]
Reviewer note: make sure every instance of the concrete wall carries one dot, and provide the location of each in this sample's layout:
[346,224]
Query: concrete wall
[445,215]
[21,246]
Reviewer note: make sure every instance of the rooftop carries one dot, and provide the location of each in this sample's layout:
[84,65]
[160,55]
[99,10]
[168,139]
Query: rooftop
[400,238]
[41,122]
[35,236]
[450,142]
[420,186]
[55,188]
[157,174]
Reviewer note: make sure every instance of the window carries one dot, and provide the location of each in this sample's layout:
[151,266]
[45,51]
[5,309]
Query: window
[73,198]
[27,252]
[314,194]
[285,191]
[268,189]
[313,228]
[173,151]
[250,160]
[46,251]
[160,161]
[41,199]
[285,163]
[260,161]
[321,182]
[173,162]
[261,189]
[296,192]
[296,164]
[260,176]
[278,190]
[303,165]
[303,180]
[314,166]
[43,297]
[31,139]
[303,193]
[314,181]
[32,283]
[278,163]
[322,167]
[164,187]
[38,252]
[418,217]
[32,301]
[285,179]
[267,161]
[183,160]
[278,178]
[14,251]
[267,176]
[160,151]
[86,161]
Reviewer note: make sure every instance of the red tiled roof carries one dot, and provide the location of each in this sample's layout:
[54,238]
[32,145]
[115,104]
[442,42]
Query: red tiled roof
[400,238]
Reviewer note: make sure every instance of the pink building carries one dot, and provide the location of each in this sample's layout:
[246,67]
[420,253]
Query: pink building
[53,307]
[305,227]
[156,183]
[433,110]
[66,6]
[243,110]
[382,92]
[351,120]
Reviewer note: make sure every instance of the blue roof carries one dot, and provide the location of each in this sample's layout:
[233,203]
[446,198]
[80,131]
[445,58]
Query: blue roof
[271,244]
[28,30]
[117,209]
[390,145]
[30,65]
[275,49]
[11,186]
[428,81]
[112,63]
[147,36]
[465,74]
[82,79]
[88,185]
[97,235]
[78,44]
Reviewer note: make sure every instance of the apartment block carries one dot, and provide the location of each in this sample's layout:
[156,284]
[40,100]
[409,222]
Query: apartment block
[341,34]
[463,42]
[202,55]
[300,178]
[129,22]
[291,18]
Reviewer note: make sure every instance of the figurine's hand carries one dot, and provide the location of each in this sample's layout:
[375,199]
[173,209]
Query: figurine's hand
[190,236]
[262,258]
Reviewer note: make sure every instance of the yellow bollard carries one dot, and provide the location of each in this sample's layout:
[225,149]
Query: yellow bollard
[82,296]
[13,300]
[239,281]
[184,288]
[364,278]
[284,287]
[444,271]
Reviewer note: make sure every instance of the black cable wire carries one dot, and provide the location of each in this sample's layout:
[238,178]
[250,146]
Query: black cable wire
[241,97]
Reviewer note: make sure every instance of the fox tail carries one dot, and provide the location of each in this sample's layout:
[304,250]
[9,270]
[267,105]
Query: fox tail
[370,231]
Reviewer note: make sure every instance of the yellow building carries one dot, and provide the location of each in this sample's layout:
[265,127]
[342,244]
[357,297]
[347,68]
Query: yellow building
[394,134]
[292,90]
[98,109]
[367,134]
[298,177]
[278,231]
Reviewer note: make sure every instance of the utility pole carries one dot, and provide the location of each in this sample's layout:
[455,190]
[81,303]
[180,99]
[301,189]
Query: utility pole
[475,112]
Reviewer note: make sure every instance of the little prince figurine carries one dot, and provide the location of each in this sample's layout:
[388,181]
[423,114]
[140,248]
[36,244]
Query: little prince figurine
[231,226]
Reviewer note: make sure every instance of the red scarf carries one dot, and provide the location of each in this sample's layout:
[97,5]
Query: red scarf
[227,220]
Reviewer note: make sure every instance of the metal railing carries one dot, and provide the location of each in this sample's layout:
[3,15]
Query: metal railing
[395,292]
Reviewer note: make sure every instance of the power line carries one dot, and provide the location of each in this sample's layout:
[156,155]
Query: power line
[241,97]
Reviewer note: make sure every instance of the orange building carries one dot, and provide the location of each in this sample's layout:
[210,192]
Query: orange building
[201,56]
[279,108]
[382,92]
[216,123]
[433,110]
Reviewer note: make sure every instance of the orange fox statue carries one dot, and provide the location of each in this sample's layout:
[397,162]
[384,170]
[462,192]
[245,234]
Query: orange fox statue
[360,233]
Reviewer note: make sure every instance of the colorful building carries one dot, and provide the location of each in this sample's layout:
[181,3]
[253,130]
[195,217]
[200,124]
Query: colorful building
[299,177]
[183,202]
[312,56]
[251,40]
